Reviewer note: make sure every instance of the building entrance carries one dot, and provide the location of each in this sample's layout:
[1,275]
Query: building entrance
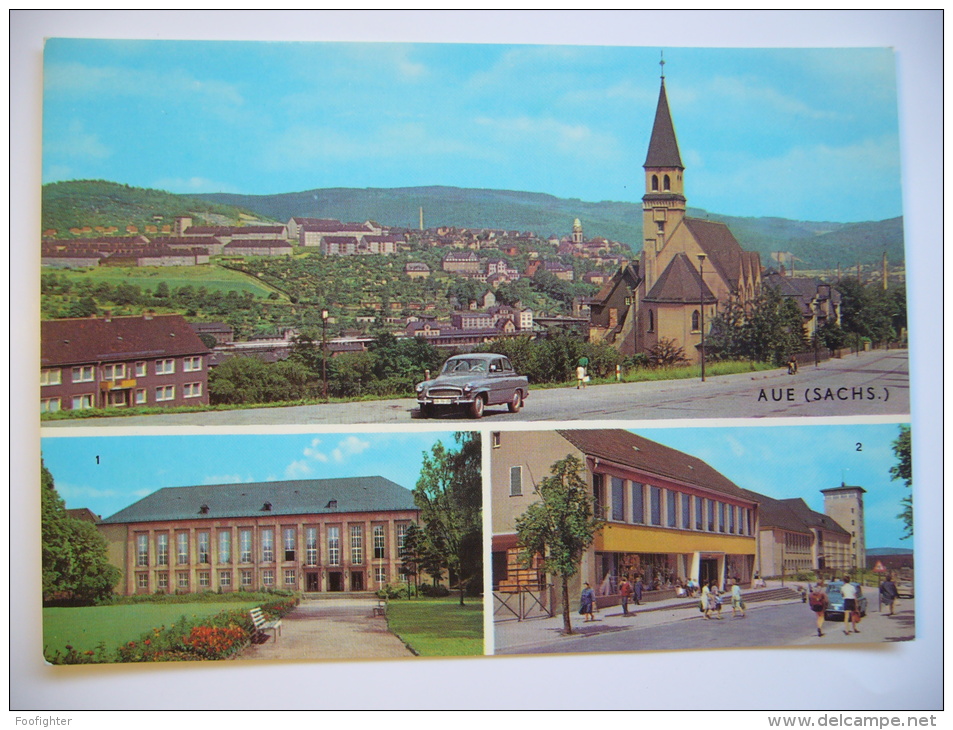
[357,581]
[312,582]
[708,571]
[336,581]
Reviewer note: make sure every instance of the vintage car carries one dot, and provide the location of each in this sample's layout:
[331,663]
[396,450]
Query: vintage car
[835,598]
[473,382]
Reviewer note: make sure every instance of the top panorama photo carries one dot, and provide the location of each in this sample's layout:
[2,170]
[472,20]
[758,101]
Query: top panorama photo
[482,231]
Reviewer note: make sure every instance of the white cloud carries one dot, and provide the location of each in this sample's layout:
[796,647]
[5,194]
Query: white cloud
[312,451]
[350,446]
[76,143]
[227,479]
[552,133]
[298,469]
[192,185]
[737,90]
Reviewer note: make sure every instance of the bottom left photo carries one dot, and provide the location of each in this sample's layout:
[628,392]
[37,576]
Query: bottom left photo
[292,546]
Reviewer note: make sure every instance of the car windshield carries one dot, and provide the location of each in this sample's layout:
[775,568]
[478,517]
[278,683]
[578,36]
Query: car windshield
[464,365]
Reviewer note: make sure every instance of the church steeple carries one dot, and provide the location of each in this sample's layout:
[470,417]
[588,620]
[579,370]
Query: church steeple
[663,205]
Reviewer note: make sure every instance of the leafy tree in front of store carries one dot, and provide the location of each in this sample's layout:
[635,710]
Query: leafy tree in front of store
[903,470]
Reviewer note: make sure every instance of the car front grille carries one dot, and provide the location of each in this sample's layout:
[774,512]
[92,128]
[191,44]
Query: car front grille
[445,392]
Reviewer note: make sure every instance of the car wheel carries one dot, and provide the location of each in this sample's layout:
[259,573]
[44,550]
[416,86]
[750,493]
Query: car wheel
[516,403]
[476,408]
[426,410]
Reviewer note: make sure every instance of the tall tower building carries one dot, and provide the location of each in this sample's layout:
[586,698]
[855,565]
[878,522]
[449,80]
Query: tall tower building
[577,231]
[845,505]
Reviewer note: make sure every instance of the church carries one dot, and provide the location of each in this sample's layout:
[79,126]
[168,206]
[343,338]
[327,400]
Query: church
[689,268]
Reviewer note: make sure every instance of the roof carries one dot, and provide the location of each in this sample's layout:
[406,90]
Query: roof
[681,283]
[812,518]
[723,249]
[663,147]
[72,341]
[629,449]
[843,488]
[295,497]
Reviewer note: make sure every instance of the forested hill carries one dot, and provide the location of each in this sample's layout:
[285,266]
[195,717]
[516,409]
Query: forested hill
[815,245]
[79,203]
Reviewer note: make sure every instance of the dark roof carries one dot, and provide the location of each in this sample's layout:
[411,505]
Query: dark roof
[812,518]
[72,341]
[680,283]
[663,147]
[629,449]
[83,513]
[842,488]
[723,249]
[296,497]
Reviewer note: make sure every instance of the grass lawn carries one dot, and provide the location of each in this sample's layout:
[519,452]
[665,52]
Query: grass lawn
[212,277]
[84,627]
[438,626]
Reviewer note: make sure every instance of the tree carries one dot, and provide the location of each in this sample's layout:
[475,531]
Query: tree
[75,565]
[665,354]
[903,470]
[449,495]
[771,331]
[560,525]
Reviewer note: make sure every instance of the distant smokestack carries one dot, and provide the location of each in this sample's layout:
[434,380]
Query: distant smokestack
[884,271]
[421,217]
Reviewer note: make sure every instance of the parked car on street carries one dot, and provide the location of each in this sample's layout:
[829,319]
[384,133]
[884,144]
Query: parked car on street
[835,598]
[905,588]
[473,382]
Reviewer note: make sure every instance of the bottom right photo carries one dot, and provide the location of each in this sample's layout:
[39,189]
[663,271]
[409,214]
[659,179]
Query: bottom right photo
[618,540]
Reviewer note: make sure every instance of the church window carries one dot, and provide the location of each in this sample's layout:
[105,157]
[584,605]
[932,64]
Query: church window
[668,183]
[651,321]
[695,321]
[654,182]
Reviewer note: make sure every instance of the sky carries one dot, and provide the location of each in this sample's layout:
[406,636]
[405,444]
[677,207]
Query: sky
[793,461]
[809,134]
[107,474]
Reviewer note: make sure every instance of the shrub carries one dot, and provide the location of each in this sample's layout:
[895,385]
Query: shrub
[214,642]
[437,591]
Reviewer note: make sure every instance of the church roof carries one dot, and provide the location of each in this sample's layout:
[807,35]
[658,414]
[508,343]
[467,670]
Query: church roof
[723,249]
[663,147]
[680,283]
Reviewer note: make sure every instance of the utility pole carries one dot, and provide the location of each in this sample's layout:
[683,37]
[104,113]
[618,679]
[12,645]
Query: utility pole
[701,296]
[324,352]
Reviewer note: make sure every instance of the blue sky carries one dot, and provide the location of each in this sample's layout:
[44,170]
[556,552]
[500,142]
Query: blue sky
[793,461]
[796,133]
[107,474]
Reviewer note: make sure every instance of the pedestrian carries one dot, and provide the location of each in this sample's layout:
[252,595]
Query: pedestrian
[714,600]
[625,590]
[637,591]
[819,602]
[586,601]
[851,607]
[704,604]
[888,593]
[737,602]
[582,376]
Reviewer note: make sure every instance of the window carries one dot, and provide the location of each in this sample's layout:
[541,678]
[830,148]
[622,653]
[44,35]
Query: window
[140,396]
[192,364]
[731,519]
[224,546]
[204,548]
[162,581]
[711,515]
[638,503]
[244,546]
[290,579]
[51,377]
[84,374]
[224,578]
[142,581]
[192,390]
[142,550]
[654,182]
[357,544]
[699,513]
[516,481]
[496,439]
[289,542]
[686,512]
[182,548]
[49,405]
[81,402]
[721,517]
[115,398]
[115,371]
[695,321]
[183,580]
[671,508]
[205,579]
[667,183]
[618,499]
[140,370]
[162,548]
[311,545]
[651,320]
[268,577]
[655,499]
[165,392]
[268,546]
[401,535]
[334,545]
[246,579]
[165,367]
[597,495]
[380,575]
[379,542]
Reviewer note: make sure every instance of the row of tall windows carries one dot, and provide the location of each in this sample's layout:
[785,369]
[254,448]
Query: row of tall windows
[652,505]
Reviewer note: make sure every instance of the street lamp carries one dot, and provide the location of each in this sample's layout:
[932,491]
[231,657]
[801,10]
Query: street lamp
[701,298]
[324,352]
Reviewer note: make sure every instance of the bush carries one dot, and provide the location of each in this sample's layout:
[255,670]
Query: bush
[432,591]
[394,590]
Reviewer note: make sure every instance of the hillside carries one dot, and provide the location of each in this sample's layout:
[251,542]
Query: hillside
[79,203]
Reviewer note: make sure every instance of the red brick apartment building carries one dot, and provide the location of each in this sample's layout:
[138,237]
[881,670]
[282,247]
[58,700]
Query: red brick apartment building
[312,535]
[121,361]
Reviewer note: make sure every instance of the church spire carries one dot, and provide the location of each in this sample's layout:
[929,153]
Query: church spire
[663,147]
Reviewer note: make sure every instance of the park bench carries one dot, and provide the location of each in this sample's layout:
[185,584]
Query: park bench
[262,624]
[381,608]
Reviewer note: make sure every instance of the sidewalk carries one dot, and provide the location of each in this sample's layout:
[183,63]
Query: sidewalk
[331,629]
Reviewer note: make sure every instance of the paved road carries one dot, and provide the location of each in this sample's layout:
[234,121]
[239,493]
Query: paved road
[869,384]
[774,624]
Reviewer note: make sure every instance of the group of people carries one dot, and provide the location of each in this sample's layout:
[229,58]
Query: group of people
[819,603]
[710,600]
